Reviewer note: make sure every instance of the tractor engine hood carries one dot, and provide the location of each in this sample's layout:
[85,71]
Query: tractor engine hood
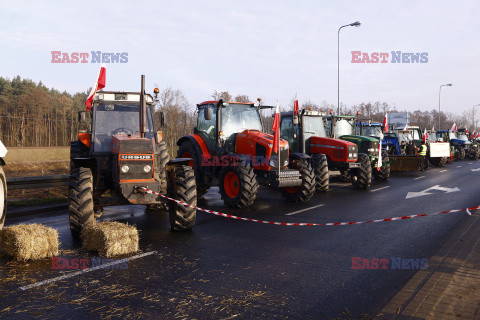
[335,149]
[259,146]
[460,142]
[131,144]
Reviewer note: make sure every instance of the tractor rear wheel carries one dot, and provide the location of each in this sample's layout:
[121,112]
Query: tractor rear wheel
[362,177]
[80,196]
[305,191]
[459,153]
[438,162]
[161,160]
[238,186]
[3,197]
[182,187]
[320,168]
[477,153]
[187,150]
[384,172]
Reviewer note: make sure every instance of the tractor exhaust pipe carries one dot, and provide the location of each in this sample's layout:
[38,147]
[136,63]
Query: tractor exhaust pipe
[143,108]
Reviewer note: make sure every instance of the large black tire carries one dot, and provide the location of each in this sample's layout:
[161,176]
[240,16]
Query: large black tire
[3,197]
[80,195]
[305,191]
[161,161]
[320,168]
[384,172]
[345,175]
[187,150]
[238,186]
[438,162]
[477,154]
[77,150]
[362,177]
[182,187]
[459,153]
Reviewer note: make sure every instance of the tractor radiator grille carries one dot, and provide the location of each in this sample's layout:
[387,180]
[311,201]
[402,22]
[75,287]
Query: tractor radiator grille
[136,170]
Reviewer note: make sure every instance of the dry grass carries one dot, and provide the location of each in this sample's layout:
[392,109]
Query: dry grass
[110,238]
[37,154]
[29,241]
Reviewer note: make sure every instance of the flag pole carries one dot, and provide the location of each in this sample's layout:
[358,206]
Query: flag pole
[279,161]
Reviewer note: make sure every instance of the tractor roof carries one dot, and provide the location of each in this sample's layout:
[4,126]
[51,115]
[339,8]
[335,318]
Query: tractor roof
[305,112]
[335,116]
[204,103]
[120,96]
[371,124]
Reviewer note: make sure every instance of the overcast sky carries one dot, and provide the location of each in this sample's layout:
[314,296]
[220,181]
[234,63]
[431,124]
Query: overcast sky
[268,49]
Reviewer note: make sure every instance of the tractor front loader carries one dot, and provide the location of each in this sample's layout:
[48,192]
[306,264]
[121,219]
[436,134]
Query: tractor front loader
[229,148]
[119,155]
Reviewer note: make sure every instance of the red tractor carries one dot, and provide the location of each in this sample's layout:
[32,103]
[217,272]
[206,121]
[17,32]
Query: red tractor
[229,149]
[306,133]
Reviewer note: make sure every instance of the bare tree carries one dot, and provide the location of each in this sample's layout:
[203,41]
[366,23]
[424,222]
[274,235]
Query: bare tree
[224,95]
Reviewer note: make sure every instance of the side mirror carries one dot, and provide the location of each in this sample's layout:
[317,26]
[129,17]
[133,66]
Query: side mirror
[295,120]
[81,116]
[161,117]
[208,113]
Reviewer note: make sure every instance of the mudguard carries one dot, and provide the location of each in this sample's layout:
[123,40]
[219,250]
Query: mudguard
[198,143]
[298,156]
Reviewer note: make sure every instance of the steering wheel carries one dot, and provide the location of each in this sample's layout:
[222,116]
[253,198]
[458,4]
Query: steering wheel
[122,131]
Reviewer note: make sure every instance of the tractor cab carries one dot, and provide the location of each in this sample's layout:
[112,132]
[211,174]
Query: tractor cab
[370,129]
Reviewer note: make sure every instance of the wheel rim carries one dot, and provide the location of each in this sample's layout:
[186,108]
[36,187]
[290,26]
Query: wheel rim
[231,184]
[188,155]
[291,189]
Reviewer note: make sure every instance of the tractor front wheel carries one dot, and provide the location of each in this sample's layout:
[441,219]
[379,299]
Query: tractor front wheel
[187,150]
[459,153]
[362,177]
[238,186]
[320,168]
[80,196]
[305,191]
[384,172]
[182,187]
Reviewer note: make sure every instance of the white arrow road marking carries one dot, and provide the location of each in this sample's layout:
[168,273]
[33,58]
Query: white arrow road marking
[478,169]
[306,209]
[373,190]
[425,192]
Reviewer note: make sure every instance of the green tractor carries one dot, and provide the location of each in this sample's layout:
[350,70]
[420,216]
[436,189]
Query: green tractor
[344,128]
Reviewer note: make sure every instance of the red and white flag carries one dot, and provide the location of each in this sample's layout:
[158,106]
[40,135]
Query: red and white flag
[100,84]
[425,135]
[295,106]
[276,129]
[379,162]
[474,134]
[433,129]
[466,131]
[454,127]
[385,124]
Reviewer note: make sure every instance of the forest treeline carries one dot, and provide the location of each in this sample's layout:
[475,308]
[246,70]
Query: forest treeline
[33,115]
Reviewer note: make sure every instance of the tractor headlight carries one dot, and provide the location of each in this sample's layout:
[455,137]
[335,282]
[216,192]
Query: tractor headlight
[371,150]
[285,162]
[147,168]
[273,162]
[125,169]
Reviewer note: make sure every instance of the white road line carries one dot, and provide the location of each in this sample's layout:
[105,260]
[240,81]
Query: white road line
[77,273]
[418,178]
[470,162]
[459,166]
[443,170]
[373,190]
[306,209]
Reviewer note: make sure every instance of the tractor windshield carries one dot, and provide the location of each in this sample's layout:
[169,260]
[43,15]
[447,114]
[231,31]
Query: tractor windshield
[111,119]
[239,117]
[372,131]
[313,127]
[463,137]
[452,135]
[343,127]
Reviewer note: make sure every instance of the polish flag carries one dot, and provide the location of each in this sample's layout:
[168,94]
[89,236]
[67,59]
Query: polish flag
[100,84]
[295,106]
[466,131]
[379,162]
[474,134]
[433,129]
[425,135]
[454,127]
[385,124]
[276,129]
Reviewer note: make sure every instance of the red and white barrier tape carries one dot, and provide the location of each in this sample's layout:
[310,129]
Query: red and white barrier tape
[305,223]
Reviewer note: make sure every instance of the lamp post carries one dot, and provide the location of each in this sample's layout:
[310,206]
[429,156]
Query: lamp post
[354,24]
[439,92]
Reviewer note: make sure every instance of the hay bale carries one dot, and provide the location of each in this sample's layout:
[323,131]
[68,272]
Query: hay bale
[110,238]
[29,241]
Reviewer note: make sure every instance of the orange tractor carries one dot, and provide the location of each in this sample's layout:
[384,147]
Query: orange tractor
[230,149]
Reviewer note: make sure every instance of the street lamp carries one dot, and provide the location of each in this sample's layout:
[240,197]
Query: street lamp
[354,24]
[439,91]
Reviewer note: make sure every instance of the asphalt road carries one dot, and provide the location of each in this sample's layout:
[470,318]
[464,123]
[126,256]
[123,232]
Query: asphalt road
[236,269]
